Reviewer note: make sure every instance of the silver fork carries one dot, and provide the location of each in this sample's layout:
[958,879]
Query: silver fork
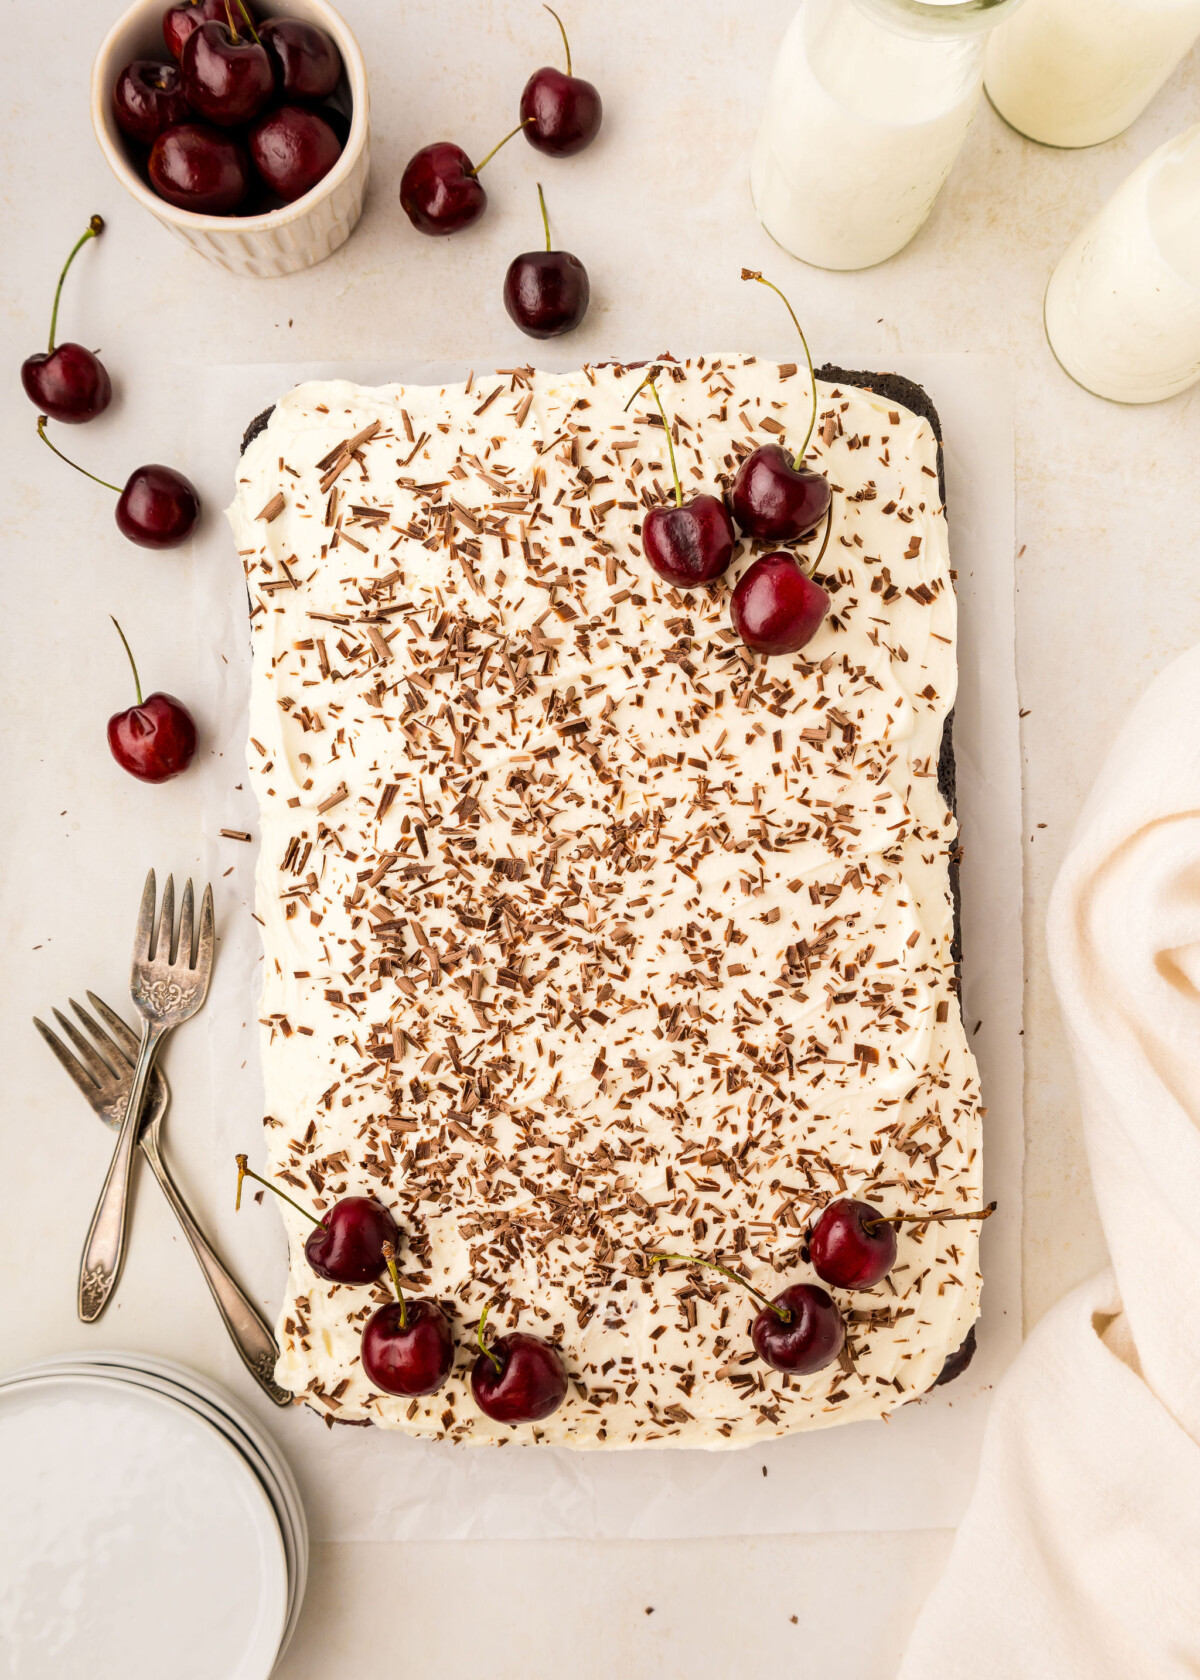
[168,984]
[104,1074]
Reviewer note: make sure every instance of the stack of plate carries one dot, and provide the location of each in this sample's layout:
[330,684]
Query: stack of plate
[149,1527]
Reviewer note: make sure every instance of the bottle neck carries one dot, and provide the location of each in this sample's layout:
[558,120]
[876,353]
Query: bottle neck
[938,19]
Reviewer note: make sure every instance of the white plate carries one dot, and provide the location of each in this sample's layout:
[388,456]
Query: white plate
[212,1403]
[136,1542]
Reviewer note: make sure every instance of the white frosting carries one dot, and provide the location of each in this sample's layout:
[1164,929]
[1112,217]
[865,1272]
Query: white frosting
[650,948]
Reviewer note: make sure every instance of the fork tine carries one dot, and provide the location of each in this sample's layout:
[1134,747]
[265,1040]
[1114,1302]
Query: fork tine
[76,1069]
[204,947]
[185,926]
[129,1041]
[92,1060]
[112,1052]
[166,923]
[145,922]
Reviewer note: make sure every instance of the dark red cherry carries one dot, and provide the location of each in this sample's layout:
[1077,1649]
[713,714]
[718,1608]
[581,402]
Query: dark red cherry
[347,1246]
[158,508]
[180,21]
[546,292]
[198,168]
[307,63]
[68,382]
[560,113]
[775,607]
[292,149]
[148,97]
[407,1346]
[851,1247]
[440,190]
[690,544]
[809,1338]
[776,500]
[227,78]
[154,740]
[518,1379]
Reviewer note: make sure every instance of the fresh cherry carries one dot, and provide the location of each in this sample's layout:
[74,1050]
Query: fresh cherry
[800,1331]
[852,1245]
[292,149]
[198,168]
[561,114]
[546,292]
[407,1346]
[775,607]
[519,1378]
[692,542]
[154,740]
[307,63]
[68,382]
[440,189]
[227,78]
[775,496]
[346,1244]
[147,98]
[158,508]
[180,21]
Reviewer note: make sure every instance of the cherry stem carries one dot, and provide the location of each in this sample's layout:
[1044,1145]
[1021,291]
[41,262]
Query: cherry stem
[483,1347]
[94,229]
[246,1171]
[753,274]
[498,145]
[233,30]
[649,380]
[695,1260]
[563,33]
[137,683]
[928,1218]
[242,7]
[41,426]
[825,538]
[389,1254]
[545,215]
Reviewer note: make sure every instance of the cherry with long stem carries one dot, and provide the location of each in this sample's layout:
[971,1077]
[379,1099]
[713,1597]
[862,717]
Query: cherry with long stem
[691,543]
[440,190]
[155,738]
[562,110]
[781,1313]
[158,508]
[546,292]
[68,381]
[347,1246]
[245,1170]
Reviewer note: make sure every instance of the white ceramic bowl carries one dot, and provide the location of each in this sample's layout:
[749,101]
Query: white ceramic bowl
[284,240]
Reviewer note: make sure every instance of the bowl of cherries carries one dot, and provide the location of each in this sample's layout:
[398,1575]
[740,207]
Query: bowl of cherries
[241,125]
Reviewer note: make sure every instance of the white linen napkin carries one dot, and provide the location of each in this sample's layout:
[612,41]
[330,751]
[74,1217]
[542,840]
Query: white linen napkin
[1079,1554]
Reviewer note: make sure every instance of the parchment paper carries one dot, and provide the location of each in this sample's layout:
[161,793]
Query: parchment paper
[912,1471]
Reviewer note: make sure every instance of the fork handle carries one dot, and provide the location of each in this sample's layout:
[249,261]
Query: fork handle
[247,1330]
[104,1250]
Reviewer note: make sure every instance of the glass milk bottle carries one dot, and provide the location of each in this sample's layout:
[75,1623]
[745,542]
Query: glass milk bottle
[1076,72]
[1123,305]
[869,103]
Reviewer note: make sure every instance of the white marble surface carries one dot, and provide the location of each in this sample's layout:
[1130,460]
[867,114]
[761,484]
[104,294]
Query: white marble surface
[1109,504]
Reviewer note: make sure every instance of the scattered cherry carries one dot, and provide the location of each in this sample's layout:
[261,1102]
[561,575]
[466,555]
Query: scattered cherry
[519,1379]
[440,189]
[561,114]
[68,382]
[775,607]
[158,508]
[407,1346]
[800,1331]
[307,63]
[148,97]
[546,292]
[226,78]
[198,168]
[852,1246]
[775,496]
[180,21]
[154,740]
[692,542]
[346,1243]
[292,149]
